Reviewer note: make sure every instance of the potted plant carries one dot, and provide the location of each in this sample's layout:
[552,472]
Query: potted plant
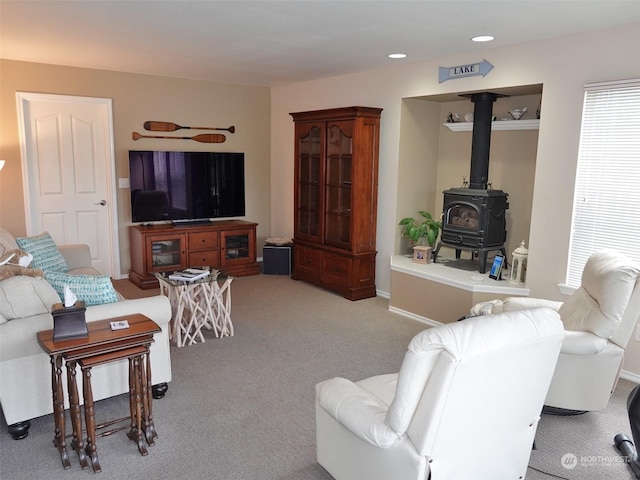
[422,231]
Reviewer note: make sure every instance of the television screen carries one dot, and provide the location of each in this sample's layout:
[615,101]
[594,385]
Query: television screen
[185,186]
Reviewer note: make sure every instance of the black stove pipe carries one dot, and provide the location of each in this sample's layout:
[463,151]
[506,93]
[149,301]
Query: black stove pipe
[481,140]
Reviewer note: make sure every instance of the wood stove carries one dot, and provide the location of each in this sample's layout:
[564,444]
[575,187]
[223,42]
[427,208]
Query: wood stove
[474,218]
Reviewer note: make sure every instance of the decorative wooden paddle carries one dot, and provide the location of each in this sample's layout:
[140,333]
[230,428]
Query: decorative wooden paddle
[172,127]
[203,138]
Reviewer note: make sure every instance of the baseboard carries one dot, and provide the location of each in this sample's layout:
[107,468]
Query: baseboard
[632,377]
[413,316]
[381,294]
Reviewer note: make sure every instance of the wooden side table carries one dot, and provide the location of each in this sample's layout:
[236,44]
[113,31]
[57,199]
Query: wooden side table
[102,345]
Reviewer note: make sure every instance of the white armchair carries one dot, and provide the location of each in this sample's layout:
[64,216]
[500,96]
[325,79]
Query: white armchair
[465,404]
[599,319]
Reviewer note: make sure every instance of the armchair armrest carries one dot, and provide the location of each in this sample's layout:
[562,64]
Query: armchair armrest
[76,255]
[522,303]
[357,410]
[582,343]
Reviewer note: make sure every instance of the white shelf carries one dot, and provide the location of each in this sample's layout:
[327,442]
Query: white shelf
[497,125]
[455,273]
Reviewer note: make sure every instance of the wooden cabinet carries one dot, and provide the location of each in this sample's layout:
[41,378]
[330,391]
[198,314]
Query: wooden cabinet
[228,245]
[336,192]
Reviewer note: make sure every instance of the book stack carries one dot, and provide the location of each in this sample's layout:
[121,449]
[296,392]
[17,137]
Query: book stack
[189,274]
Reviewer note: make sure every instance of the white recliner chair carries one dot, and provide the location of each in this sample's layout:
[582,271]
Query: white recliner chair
[465,404]
[599,319]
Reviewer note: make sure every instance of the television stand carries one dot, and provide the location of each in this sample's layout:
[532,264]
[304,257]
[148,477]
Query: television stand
[191,223]
[227,245]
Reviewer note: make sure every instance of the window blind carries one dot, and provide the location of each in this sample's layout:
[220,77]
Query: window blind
[606,206]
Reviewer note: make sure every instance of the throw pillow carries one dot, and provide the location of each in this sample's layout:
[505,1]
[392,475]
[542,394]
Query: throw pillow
[46,255]
[91,289]
[7,242]
[22,297]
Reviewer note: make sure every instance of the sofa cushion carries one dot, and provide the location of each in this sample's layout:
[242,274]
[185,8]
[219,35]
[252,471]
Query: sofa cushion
[91,289]
[22,296]
[46,255]
[7,242]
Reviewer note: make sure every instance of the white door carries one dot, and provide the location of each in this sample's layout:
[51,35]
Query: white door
[69,173]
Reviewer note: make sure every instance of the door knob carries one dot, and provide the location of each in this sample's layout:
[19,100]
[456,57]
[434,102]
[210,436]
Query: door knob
[101,202]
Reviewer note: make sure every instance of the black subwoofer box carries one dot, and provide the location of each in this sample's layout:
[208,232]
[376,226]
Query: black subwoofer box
[276,259]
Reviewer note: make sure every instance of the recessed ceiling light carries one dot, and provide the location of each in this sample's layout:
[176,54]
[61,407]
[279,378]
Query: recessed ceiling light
[482,38]
[397,55]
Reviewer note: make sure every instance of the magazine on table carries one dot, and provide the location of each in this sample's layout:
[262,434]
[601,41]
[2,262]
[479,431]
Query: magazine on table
[189,274]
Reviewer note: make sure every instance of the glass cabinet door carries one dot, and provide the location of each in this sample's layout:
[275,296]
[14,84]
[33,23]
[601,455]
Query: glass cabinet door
[237,247]
[165,253]
[309,165]
[338,184]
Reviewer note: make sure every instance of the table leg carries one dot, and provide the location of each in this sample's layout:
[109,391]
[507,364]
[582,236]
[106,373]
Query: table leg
[136,435]
[147,399]
[198,316]
[223,299]
[180,317]
[74,409]
[58,410]
[210,306]
[90,419]
[132,396]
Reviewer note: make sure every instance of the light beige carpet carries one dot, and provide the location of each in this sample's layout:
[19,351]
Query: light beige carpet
[242,407]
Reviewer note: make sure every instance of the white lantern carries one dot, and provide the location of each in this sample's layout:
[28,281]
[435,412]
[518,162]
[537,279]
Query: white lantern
[519,264]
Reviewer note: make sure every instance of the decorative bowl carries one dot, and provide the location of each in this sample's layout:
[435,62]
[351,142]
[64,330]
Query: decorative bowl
[517,113]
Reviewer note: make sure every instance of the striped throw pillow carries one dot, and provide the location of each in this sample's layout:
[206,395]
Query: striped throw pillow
[91,289]
[46,255]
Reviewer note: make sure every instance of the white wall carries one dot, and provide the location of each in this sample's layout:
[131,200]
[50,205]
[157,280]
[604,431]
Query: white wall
[563,65]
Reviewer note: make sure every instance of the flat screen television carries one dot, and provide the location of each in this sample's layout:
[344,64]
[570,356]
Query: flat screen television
[185,186]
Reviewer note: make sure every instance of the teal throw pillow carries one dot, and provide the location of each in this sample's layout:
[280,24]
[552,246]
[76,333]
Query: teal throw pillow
[46,255]
[91,289]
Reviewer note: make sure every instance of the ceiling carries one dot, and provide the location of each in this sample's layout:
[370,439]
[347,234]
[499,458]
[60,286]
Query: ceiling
[271,43]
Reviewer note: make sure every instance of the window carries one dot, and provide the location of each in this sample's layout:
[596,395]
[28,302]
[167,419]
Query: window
[606,206]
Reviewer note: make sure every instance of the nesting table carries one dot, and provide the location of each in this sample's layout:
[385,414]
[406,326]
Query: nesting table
[198,304]
[103,345]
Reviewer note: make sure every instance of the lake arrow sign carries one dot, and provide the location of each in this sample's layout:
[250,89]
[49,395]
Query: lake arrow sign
[461,71]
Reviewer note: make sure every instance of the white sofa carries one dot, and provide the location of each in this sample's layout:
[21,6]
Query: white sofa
[25,371]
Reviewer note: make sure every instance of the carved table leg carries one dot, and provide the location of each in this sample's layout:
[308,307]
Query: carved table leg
[58,410]
[136,434]
[132,397]
[147,400]
[90,419]
[74,409]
